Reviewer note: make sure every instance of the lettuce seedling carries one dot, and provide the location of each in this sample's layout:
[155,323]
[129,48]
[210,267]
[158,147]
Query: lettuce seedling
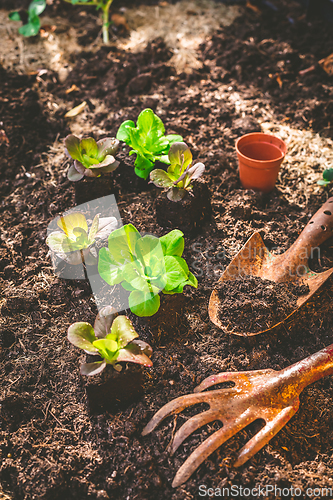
[91,158]
[73,244]
[145,266]
[104,5]
[327,177]
[113,339]
[32,26]
[180,173]
[147,140]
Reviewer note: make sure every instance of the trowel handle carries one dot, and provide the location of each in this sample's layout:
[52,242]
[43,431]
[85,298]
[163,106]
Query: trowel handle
[317,230]
[310,369]
[320,227]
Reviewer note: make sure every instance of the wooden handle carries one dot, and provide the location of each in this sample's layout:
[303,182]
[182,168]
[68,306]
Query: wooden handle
[319,228]
[294,262]
[310,369]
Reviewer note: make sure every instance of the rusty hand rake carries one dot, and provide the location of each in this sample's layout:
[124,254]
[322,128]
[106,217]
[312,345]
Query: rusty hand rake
[264,394]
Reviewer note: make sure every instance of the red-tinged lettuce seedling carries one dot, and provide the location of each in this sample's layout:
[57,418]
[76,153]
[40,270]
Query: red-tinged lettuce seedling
[91,158]
[180,173]
[112,338]
[147,140]
[73,243]
[145,266]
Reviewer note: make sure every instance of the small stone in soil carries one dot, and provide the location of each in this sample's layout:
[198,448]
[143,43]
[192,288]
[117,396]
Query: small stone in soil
[250,304]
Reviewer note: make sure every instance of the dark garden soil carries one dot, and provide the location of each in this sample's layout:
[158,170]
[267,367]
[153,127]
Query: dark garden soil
[51,447]
[249,304]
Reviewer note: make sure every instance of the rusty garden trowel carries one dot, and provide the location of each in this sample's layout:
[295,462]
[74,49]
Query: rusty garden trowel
[254,259]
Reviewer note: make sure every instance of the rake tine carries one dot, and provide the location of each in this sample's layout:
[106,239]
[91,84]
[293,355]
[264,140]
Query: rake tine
[210,445]
[265,434]
[171,408]
[192,425]
[220,378]
[242,379]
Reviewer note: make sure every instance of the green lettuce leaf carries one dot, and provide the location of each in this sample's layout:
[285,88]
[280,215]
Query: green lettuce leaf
[144,304]
[143,166]
[176,272]
[108,269]
[124,331]
[82,335]
[173,243]
[123,133]
[161,179]
[150,125]
[147,140]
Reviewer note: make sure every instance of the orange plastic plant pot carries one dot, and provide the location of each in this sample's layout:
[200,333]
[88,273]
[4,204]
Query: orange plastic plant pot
[259,159]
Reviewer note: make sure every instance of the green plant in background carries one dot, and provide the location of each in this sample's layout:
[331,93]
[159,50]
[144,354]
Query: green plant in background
[91,158]
[327,177]
[147,140]
[145,266]
[32,26]
[104,5]
[73,244]
[180,173]
[113,338]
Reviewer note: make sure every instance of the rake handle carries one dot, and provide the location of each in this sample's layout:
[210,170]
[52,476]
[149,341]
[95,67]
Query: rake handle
[308,370]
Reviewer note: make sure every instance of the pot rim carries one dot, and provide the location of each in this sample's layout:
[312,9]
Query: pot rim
[279,143]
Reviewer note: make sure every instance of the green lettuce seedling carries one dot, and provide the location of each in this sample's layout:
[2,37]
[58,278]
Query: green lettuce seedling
[180,173]
[327,177]
[147,140]
[91,158]
[113,339]
[145,266]
[31,28]
[73,244]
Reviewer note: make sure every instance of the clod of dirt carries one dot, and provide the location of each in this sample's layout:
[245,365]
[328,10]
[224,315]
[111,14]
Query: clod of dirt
[246,125]
[7,338]
[170,320]
[20,302]
[91,188]
[112,390]
[140,84]
[189,214]
[250,304]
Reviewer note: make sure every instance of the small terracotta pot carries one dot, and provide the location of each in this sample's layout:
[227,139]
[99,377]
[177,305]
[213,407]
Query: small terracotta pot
[259,159]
